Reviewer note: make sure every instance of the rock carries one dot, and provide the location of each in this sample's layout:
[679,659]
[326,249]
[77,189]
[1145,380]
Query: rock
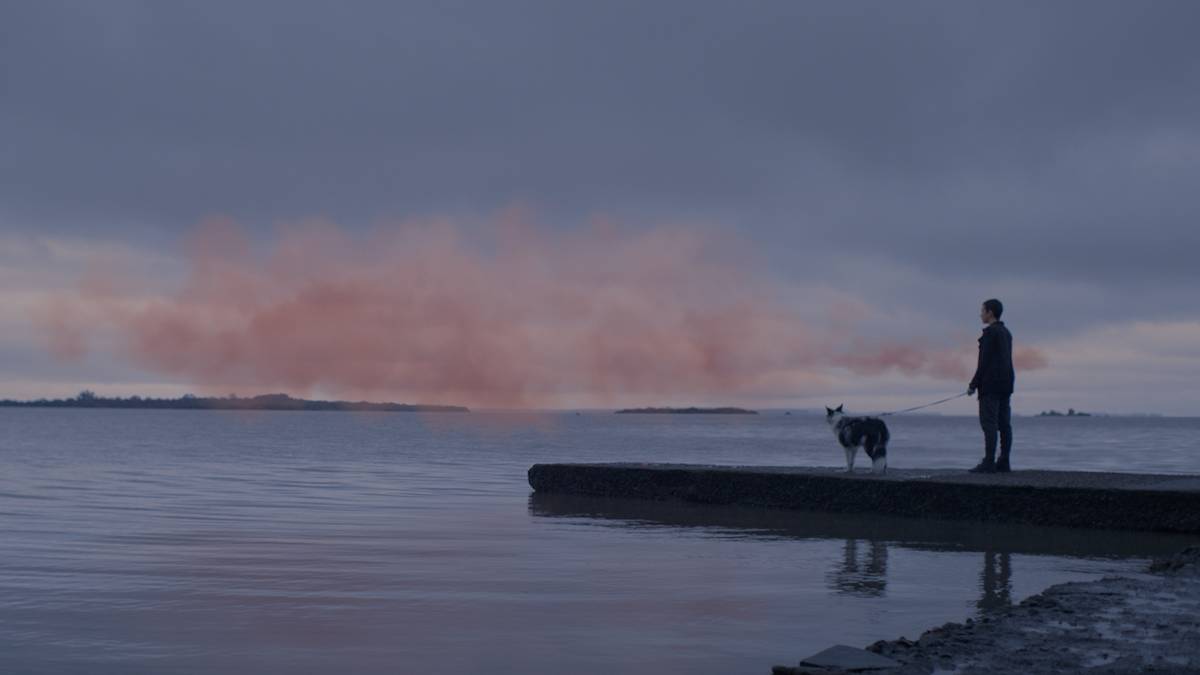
[1183,561]
[849,658]
[1150,624]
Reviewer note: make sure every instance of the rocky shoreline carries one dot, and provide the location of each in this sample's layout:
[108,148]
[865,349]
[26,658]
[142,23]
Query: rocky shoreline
[1144,624]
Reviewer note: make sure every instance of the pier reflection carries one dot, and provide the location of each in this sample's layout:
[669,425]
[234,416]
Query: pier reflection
[867,540]
[862,570]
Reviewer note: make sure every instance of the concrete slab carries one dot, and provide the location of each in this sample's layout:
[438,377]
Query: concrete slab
[849,658]
[1149,502]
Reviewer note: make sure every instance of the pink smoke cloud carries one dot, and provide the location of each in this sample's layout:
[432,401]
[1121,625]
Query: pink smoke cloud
[66,337]
[511,314]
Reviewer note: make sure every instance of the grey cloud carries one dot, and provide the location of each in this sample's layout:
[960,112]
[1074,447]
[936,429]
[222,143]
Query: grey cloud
[1019,140]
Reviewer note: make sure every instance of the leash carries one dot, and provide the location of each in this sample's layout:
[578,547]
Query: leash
[927,405]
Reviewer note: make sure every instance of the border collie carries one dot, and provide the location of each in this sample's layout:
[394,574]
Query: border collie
[868,433]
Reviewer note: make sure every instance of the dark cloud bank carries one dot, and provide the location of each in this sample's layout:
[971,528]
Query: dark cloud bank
[922,155]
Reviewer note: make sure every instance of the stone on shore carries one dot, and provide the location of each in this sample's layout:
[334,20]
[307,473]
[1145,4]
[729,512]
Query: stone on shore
[853,659]
[1113,625]
[1116,625]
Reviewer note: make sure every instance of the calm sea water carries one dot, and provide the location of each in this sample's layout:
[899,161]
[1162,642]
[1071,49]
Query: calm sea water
[279,542]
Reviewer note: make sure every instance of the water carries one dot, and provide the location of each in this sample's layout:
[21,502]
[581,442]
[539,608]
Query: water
[279,542]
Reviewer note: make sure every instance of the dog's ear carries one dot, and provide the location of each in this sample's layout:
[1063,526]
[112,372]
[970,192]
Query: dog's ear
[839,408]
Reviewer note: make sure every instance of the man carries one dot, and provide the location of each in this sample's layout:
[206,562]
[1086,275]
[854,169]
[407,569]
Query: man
[994,378]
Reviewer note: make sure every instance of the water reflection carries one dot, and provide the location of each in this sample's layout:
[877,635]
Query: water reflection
[862,572]
[996,581]
[862,569]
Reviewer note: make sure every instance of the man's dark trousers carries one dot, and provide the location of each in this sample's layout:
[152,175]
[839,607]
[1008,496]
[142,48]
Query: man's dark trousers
[995,415]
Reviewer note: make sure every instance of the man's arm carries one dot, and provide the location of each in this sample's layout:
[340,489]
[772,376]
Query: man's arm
[986,347]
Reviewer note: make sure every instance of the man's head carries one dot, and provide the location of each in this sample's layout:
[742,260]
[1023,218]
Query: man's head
[991,310]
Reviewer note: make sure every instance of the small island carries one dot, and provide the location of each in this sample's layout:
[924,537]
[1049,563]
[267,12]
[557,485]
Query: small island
[88,399]
[1071,412]
[687,411]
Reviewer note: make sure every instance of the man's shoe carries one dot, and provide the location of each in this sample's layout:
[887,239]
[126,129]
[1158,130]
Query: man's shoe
[1002,466]
[986,466]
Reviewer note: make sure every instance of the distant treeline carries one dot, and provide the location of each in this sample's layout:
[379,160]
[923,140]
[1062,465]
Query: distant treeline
[88,399]
[687,411]
[1071,412]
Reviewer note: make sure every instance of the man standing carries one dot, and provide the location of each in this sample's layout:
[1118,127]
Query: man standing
[994,378]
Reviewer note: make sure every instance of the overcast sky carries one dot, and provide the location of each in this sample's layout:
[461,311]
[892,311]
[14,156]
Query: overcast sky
[913,157]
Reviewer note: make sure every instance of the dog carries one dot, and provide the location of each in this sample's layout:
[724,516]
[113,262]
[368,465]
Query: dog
[869,433]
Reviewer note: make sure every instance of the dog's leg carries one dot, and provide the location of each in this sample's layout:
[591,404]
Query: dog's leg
[878,454]
[849,460]
[879,464]
[869,448]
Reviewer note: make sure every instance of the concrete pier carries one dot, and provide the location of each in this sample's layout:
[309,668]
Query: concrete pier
[1120,501]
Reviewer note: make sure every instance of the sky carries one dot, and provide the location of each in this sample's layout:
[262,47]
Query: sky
[551,204]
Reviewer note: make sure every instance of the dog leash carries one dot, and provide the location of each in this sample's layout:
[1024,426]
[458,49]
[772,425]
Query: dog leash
[927,405]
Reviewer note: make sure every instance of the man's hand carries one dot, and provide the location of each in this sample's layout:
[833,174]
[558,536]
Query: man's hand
[970,391]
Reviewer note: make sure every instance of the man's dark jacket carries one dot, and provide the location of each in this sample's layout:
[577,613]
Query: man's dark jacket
[994,375]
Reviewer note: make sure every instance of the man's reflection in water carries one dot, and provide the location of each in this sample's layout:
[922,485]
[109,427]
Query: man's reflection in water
[862,568]
[996,580]
[862,574]
[862,571]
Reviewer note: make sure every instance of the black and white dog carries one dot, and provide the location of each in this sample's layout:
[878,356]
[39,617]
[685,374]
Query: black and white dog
[869,433]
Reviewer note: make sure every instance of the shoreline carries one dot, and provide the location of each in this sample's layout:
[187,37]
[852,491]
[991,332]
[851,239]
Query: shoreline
[1149,623]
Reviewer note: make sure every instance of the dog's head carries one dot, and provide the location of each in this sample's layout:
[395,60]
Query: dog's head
[832,415]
